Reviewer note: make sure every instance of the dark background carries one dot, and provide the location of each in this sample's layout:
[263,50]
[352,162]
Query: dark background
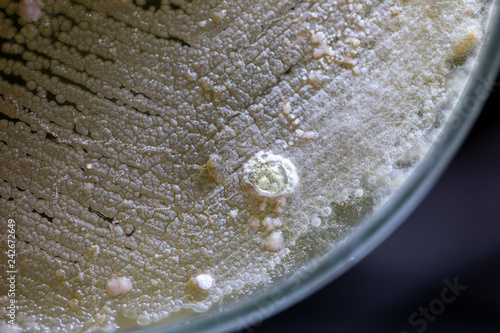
[453,234]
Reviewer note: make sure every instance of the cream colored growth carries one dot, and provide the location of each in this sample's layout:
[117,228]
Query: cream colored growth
[143,146]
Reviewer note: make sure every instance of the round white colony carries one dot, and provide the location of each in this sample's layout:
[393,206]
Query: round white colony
[271,175]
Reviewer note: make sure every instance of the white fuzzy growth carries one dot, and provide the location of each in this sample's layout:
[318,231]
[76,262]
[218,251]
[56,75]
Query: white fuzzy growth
[204,281]
[322,50]
[274,241]
[317,38]
[118,286]
[270,224]
[31,10]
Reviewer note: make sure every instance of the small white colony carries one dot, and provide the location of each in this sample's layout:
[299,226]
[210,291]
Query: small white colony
[234,213]
[118,286]
[270,224]
[286,108]
[274,241]
[204,281]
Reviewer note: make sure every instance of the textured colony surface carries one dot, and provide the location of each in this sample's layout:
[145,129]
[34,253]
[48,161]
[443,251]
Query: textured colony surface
[151,150]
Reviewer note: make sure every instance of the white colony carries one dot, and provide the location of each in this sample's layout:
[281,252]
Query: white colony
[204,281]
[274,241]
[271,175]
[118,286]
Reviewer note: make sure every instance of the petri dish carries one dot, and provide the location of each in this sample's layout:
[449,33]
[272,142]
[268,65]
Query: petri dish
[258,172]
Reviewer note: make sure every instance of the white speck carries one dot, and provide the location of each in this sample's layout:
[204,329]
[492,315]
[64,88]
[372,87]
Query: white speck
[234,213]
[299,133]
[286,108]
[204,281]
[262,206]
[89,166]
[118,286]
[274,241]
[359,193]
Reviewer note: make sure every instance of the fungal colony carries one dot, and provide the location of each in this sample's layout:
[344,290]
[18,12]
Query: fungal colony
[163,158]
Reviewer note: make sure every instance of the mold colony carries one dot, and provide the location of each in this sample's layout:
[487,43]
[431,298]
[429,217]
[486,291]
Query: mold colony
[150,154]
[270,175]
[118,286]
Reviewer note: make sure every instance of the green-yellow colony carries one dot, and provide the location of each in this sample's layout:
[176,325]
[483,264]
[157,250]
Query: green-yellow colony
[167,155]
